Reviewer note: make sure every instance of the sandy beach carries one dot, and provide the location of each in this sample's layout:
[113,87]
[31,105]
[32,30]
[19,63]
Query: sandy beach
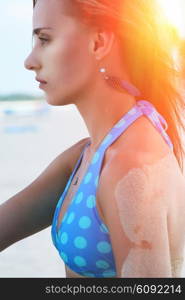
[29,142]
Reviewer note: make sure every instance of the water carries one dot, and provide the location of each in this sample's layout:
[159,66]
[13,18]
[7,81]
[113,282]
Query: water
[31,137]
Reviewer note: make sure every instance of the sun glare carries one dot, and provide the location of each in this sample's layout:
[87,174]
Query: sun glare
[175,12]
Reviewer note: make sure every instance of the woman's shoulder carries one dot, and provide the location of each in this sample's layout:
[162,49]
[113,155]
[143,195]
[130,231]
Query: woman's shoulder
[144,146]
[145,158]
[153,169]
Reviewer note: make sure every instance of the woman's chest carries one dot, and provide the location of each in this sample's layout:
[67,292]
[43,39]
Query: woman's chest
[75,191]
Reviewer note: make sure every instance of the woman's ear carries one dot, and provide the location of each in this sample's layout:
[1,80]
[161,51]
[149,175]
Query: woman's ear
[101,43]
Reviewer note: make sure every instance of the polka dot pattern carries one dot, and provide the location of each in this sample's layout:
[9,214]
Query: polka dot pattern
[91,201]
[73,199]
[132,111]
[83,240]
[109,273]
[80,242]
[88,178]
[104,228]
[107,139]
[80,261]
[64,256]
[104,247]
[85,222]
[70,218]
[79,198]
[95,158]
[64,238]
[120,124]
[102,264]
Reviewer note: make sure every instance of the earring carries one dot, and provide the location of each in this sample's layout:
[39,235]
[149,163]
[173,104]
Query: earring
[120,84]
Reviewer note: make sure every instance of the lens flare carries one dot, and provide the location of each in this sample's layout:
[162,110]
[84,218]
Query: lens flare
[175,12]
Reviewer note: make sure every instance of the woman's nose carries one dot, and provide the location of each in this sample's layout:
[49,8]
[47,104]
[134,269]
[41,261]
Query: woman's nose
[31,64]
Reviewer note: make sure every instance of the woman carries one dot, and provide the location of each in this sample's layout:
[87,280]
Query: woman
[116,199]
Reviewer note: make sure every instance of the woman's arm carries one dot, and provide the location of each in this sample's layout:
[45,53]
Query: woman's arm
[135,206]
[31,210]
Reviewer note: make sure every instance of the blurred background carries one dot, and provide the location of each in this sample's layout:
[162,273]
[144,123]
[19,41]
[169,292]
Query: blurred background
[33,133]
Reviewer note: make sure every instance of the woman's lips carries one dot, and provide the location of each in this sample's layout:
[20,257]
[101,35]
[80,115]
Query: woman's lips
[42,82]
[42,85]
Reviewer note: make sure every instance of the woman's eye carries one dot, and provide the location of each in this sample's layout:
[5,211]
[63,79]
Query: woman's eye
[43,40]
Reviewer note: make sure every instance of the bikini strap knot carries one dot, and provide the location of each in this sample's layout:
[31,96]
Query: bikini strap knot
[148,108]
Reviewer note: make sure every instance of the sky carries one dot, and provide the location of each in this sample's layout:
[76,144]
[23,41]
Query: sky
[16,44]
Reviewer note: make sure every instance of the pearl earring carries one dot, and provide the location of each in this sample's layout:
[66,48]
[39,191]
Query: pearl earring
[120,84]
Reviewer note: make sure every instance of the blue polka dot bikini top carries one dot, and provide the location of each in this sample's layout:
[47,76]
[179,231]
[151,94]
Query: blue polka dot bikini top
[83,240]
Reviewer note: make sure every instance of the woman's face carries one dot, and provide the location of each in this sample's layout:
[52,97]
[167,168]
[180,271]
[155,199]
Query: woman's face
[62,58]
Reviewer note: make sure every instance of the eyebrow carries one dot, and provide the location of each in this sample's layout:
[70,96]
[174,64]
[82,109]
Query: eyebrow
[36,31]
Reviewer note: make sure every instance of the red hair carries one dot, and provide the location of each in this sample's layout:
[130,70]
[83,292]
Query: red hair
[147,42]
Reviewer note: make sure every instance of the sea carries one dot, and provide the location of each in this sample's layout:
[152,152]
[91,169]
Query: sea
[32,134]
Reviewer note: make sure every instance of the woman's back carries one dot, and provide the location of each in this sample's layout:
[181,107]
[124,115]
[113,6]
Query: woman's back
[147,171]
[175,185]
